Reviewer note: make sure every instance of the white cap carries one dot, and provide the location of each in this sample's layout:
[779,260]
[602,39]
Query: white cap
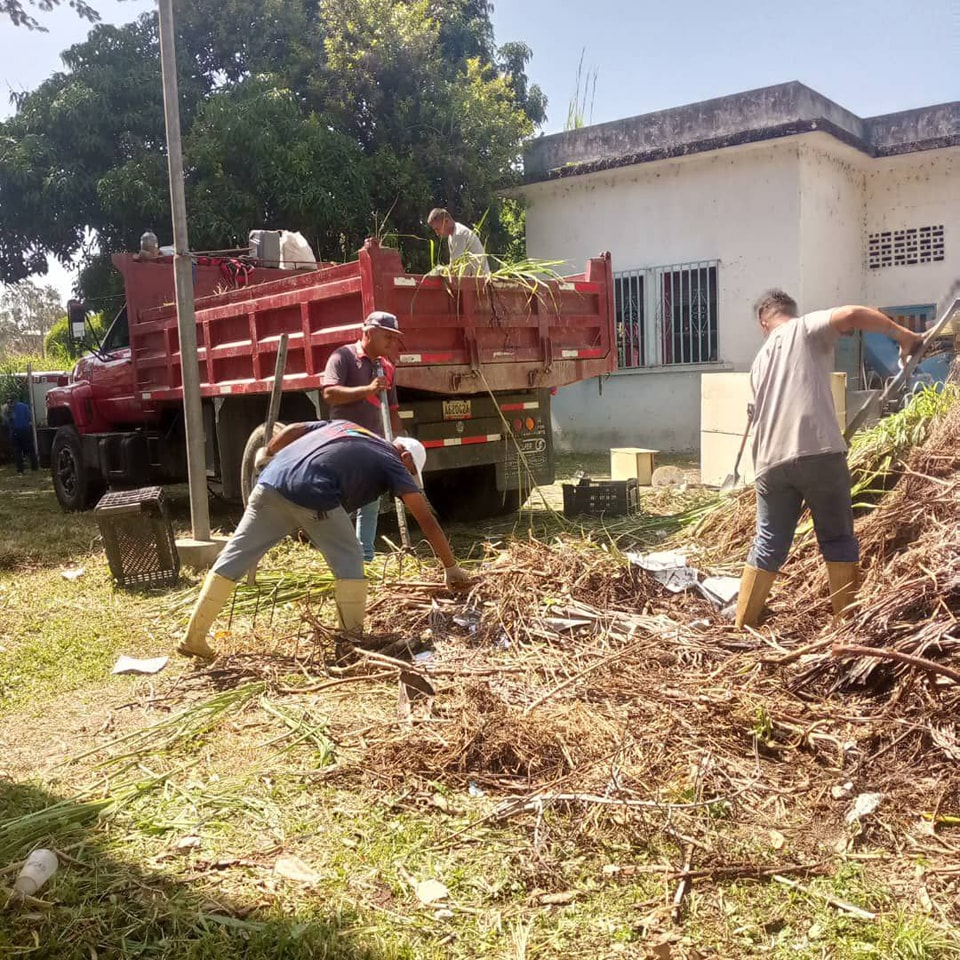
[416,450]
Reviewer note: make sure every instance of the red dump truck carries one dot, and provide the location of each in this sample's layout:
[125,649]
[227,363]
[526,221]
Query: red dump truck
[474,379]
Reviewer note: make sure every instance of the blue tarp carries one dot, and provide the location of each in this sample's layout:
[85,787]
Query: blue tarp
[882,355]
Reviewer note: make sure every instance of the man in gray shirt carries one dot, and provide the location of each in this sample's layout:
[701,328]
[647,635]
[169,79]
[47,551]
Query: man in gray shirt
[798,450]
[464,244]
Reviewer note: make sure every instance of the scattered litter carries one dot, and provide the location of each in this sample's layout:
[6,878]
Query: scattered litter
[184,844]
[842,791]
[425,656]
[469,620]
[293,868]
[668,567]
[41,865]
[777,839]
[474,790]
[132,665]
[73,574]
[430,891]
[720,590]
[557,899]
[863,806]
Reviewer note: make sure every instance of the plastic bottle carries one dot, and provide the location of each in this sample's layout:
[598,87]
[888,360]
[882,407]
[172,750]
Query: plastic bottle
[39,868]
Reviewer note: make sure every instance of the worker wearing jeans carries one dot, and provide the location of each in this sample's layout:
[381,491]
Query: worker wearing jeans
[21,436]
[312,475]
[799,453]
[353,386]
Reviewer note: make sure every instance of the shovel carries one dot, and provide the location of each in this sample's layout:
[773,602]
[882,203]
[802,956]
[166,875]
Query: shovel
[732,479]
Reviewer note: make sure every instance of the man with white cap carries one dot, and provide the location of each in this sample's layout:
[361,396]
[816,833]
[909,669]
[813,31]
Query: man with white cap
[353,386]
[312,476]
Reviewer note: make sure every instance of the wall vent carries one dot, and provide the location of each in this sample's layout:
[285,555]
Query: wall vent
[903,248]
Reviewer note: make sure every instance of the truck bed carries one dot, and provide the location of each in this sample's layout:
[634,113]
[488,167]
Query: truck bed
[459,337]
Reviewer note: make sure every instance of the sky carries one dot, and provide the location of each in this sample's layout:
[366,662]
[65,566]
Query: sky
[870,56]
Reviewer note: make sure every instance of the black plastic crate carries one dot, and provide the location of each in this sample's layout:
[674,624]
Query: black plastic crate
[138,538]
[594,498]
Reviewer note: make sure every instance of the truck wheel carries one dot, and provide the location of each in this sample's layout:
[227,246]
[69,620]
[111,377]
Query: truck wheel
[73,484]
[248,478]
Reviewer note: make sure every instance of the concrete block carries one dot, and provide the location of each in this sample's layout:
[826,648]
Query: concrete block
[200,554]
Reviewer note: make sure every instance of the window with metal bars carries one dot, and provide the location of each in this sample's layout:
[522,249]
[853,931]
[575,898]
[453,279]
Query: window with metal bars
[667,315]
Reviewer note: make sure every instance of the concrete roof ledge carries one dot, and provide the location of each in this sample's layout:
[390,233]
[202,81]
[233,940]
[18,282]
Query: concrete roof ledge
[766,113]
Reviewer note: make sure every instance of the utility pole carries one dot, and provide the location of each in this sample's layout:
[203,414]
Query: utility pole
[183,278]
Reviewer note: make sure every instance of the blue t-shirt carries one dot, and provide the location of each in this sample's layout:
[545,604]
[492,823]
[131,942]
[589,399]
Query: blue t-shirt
[337,464]
[20,416]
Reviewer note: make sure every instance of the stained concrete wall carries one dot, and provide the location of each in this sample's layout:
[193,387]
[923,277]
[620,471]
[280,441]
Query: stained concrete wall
[913,190]
[739,206]
[832,217]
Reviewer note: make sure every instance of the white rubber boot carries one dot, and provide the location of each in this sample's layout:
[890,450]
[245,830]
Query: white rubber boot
[351,605]
[214,594]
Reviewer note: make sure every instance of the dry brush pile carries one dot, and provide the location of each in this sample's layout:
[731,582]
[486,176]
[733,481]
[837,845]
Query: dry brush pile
[571,680]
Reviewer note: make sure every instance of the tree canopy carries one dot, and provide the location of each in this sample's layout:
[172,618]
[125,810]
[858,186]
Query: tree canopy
[335,118]
[27,313]
[22,17]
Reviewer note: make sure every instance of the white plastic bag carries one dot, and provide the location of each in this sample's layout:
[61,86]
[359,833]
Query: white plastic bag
[295,252]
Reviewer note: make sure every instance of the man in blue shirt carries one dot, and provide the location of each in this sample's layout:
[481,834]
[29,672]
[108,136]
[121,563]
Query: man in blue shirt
[312,476]
[21,435]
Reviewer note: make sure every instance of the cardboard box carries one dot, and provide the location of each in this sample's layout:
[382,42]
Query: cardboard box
[632,463]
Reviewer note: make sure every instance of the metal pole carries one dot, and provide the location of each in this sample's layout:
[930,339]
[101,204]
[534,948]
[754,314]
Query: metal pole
[33,409]
[183,279]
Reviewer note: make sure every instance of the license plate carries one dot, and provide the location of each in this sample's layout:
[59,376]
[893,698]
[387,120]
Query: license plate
[456,409]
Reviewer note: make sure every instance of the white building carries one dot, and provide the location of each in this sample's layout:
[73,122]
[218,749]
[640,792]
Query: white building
[705,206]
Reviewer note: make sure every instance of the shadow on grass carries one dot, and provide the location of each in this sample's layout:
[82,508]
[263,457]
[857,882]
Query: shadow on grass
[100,905]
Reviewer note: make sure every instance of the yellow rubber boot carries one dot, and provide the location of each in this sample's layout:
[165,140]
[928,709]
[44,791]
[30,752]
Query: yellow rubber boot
[755,585]
[214,594]
[844,581]
[351,605]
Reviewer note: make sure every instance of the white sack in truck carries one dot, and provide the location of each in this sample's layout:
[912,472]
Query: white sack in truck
[295,252]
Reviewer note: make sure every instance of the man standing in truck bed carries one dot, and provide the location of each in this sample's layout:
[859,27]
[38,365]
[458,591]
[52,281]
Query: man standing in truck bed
[352,388]
[799,453]
[464,244]
[311,476]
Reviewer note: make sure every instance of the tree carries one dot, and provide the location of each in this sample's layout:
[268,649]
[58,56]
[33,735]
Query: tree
[27,312]
[323,117]
[61,349]
[16,11]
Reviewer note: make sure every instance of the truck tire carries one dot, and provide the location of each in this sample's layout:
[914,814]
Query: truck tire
[73,484]
[248,479]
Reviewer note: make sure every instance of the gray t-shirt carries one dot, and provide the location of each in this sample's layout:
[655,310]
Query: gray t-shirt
[464,240]
[794,414]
